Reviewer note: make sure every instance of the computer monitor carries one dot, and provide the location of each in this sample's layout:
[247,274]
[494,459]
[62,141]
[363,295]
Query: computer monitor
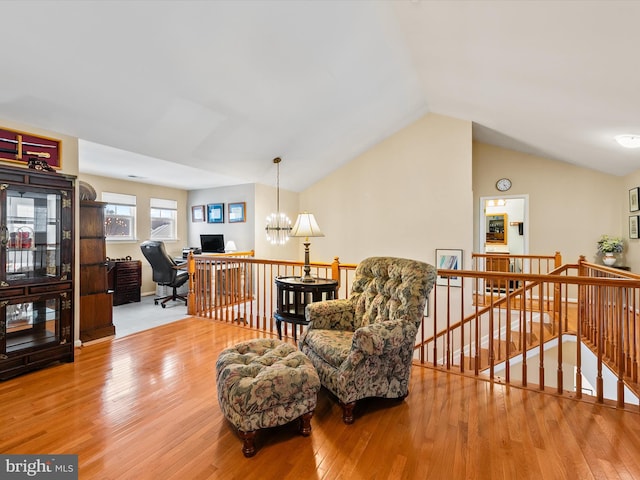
[212,243]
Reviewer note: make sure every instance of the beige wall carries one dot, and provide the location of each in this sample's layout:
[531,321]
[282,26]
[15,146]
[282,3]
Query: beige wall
[143,193]
[569,206]
[406,196]
[632,246]
[69,145]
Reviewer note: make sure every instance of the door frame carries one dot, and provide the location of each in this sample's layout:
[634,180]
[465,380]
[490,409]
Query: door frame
[482,229]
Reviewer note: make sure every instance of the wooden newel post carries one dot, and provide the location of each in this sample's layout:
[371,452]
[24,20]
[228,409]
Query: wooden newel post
[191,297]
[335,270]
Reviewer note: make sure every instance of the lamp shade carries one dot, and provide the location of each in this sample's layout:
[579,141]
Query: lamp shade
[230,246]
[306,226]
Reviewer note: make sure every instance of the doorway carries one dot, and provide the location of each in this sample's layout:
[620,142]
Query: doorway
[504,225]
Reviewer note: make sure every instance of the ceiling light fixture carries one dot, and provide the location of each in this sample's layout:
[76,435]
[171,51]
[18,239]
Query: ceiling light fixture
[278,224]
[628,141]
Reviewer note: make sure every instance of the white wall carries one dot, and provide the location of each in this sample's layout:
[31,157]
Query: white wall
[242,233]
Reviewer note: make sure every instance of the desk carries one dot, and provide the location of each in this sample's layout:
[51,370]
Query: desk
[293,297]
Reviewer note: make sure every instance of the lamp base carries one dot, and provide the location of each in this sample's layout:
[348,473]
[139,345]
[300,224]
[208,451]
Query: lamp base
[307,279]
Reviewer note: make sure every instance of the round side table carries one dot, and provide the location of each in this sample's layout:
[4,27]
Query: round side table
[293,297]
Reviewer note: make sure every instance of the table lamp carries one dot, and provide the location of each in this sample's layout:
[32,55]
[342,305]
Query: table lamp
[306,226]
[230,247]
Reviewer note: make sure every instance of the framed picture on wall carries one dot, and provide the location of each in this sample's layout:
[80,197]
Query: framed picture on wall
[633,226]
[237,212]
[197,213]
[449,259]
[215,213]
[634,203]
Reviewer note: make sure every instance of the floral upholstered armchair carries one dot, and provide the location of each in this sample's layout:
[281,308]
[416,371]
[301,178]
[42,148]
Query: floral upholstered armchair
[363,346]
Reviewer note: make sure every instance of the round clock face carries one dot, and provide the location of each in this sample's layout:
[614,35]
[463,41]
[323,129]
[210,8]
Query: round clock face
[503,184]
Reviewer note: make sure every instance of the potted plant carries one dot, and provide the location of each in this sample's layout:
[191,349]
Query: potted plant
[609,246]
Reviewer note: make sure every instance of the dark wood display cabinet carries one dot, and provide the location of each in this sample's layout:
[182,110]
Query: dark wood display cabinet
[36,269]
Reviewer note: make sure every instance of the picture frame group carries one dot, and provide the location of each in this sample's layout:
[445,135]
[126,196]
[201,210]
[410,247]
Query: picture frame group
[215,213]
[634,206]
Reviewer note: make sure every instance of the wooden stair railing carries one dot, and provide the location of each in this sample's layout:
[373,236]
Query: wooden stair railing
[600,310]
[471,329]
[241,289]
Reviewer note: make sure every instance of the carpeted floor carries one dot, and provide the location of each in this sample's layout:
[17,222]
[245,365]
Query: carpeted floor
[138,316]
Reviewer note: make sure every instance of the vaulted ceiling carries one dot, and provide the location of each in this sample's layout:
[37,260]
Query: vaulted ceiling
[196,94]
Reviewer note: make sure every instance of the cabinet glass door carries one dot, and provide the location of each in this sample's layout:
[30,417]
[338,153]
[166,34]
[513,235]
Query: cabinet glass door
[32,234]
[31,323]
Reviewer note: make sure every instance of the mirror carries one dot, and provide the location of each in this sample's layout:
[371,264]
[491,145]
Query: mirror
[496,228]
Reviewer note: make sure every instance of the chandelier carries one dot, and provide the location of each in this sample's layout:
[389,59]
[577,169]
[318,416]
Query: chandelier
[278,224]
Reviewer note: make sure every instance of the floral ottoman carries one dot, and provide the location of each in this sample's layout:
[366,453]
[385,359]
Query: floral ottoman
[264,383]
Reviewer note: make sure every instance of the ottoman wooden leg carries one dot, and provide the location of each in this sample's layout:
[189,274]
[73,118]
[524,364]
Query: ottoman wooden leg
[304,424]
[248,443]
[347,412]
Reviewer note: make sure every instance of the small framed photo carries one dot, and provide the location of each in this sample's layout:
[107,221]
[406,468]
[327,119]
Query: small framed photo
[633,226]
[215,213]
[237,212]
[197,213]
[634,203]
[449,259]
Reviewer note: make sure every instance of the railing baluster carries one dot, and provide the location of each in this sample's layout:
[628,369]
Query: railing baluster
[603,317]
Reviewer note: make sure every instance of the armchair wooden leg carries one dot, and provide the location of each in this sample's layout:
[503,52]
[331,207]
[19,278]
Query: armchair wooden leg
[304,424]
[402,397]
[248,443]
[347,412]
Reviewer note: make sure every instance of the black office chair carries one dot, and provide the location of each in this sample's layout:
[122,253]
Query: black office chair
[165,270]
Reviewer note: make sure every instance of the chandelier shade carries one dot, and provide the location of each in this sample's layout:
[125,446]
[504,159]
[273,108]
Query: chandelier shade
[278,224]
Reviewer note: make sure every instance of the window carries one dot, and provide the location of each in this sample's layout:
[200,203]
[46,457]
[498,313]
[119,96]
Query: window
[119,216]
[163,219]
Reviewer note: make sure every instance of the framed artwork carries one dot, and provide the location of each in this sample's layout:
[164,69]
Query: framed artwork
[450,260]
[37,152]
[237,212]
[634,204]
[633,226]
[215,213]
[197,213]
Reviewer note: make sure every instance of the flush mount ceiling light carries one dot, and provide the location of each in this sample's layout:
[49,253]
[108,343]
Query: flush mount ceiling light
[628,141]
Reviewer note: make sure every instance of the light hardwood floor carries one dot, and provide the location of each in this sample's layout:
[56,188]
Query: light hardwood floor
[145,407]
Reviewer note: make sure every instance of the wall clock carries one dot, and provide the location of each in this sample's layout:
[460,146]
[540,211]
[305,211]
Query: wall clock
[503,184]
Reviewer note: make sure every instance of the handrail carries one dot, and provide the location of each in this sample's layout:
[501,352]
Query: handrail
[595,308]
[488,328]
[241,288]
